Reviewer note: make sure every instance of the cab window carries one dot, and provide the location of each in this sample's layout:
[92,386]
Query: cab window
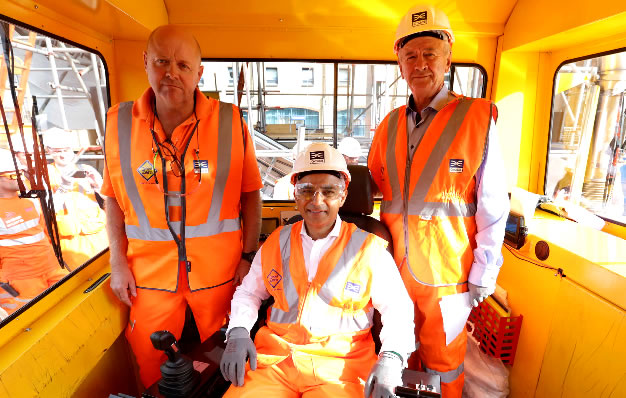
[61,88]
[586,155]
[288,104]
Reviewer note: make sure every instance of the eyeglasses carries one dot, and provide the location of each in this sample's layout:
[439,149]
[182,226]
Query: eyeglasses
[170,153]
[306,191]
[10,176]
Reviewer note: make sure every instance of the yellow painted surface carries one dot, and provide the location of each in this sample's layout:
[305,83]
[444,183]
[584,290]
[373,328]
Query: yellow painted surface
[51,348]
[594,262]
[587,347]
[133,81]
[515,97]
[536,25]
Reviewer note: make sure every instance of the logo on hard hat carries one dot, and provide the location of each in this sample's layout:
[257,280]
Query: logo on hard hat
[420,18]
[146,170]
[316,157]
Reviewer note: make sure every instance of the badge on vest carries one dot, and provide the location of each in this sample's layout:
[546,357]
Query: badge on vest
[353,287]
[273,278]
[456,165]
[146,170]
[201,166]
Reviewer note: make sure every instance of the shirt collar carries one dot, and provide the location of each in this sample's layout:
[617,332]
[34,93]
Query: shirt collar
[437,103]
[333,232]
[143,106]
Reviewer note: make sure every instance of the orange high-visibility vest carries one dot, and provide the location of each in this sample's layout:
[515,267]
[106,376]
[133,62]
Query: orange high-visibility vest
[25,250]
[335,304]
[429,202]
[213,164]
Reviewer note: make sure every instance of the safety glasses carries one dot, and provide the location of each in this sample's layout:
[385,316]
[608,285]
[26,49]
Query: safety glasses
[307,191]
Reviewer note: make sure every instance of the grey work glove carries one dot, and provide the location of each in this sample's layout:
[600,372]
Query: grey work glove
[479,293]
[238,349]
[385,376]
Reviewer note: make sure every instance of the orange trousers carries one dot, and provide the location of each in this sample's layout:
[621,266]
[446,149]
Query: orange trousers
[306,376]
[154,310]
[29,289]
[433,355]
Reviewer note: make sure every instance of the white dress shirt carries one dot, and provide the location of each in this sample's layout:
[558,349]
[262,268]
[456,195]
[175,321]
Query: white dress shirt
[492,200]
[388,294]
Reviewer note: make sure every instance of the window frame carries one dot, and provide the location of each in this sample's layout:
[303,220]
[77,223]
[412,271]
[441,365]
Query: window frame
[550,121]
[6,321]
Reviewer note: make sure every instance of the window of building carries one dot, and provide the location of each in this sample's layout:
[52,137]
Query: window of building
[230,76]
[587,147]
[307,77]
[351,122]
[271,76]
[343,75]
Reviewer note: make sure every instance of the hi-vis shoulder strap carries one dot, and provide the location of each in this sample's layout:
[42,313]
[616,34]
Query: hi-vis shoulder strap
[213,224]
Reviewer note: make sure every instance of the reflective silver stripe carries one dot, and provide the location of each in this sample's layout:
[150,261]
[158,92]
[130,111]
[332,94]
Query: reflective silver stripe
[289,287]
[337,279]
[9,306]
[442,209]
[426,178]
[449,376]
[26,240]
[213,225]
[20,227]
[392,168]
[174,201]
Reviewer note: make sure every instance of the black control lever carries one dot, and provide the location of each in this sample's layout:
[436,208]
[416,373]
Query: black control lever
[178,377]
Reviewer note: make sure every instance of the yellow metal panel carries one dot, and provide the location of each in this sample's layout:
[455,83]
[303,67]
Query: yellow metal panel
[531,292]
[537,25]
[587,346]
[515,97]
[132,80]
[52,347]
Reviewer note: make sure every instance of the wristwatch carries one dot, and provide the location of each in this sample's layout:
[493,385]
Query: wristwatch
[248,256]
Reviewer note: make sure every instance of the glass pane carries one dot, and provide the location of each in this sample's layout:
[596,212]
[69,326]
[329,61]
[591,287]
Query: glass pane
[69,87]
[586,161]
[468,81]
[299,107]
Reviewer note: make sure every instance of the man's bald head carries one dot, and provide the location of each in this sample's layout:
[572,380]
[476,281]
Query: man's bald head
[169,32]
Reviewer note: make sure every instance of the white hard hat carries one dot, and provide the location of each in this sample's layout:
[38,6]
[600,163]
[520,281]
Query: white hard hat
[18,145]
[57,138]
[6,162]
[350,147]
[319,156]
[422,18]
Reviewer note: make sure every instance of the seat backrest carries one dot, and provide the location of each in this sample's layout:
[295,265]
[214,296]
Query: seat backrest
[360,204]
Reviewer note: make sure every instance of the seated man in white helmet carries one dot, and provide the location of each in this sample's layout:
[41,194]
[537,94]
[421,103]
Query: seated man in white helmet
[326,277]
[350,148]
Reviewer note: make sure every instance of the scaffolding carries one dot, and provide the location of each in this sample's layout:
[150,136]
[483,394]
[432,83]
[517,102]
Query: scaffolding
[68,83]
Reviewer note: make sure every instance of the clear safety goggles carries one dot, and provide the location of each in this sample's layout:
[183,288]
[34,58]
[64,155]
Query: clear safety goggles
[307,191]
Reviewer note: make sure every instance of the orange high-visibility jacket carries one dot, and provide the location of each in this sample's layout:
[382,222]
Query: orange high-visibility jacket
[25,251]
[429,203]
[213,164]
[335,305]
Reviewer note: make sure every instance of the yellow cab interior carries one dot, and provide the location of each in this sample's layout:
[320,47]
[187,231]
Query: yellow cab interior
[567,278]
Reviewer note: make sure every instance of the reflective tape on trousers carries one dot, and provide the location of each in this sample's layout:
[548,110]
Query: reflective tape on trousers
[449,376]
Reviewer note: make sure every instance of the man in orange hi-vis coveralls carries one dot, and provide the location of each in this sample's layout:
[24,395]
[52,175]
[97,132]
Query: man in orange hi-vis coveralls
[75,187]
[27,262]
[183,203]
[437,163]
[327,277]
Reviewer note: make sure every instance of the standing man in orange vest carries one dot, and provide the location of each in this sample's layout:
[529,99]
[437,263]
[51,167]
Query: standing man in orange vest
[326,277]
[180,172]
[437,163]
[28,265]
